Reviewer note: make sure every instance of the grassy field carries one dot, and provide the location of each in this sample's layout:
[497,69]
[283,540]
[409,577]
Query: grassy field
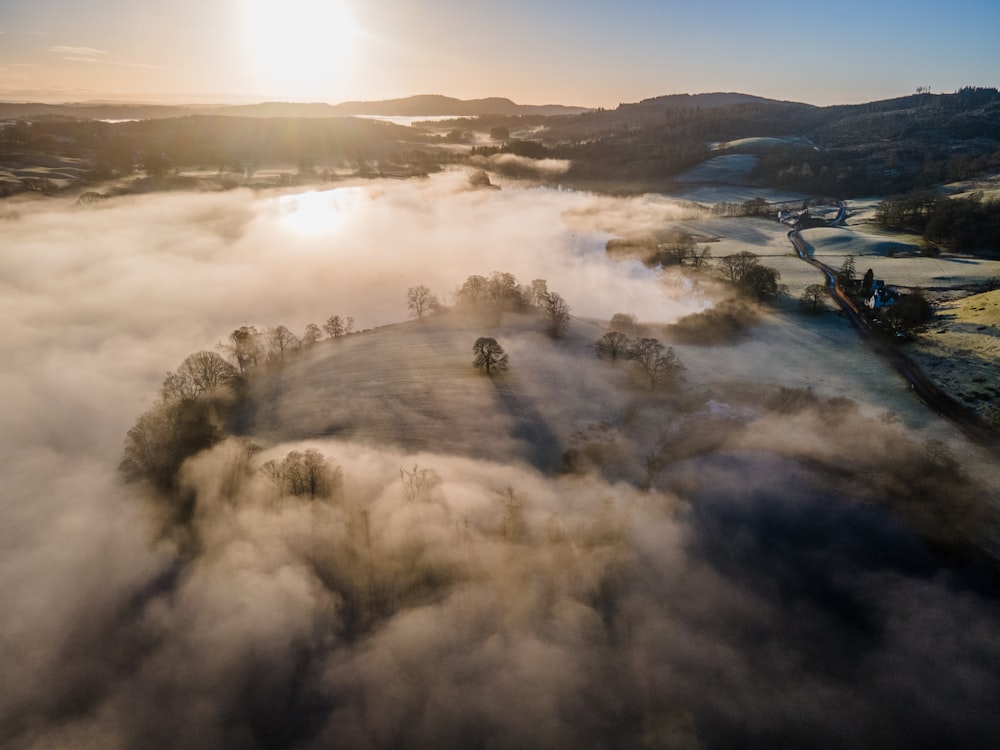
[961,351]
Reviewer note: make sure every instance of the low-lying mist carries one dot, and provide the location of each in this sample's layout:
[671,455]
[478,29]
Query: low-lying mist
[710,567]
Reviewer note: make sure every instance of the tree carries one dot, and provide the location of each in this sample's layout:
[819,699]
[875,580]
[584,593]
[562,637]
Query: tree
[660,364]
[489,355]
[613,345]
[281,342]
[557,312]
[336,326]
[513,524]
[200,373]
[700,259]
[473,291]
[845,276]
[163,437]
[909,314]
[420,300]
[624,323]
[301,474]
[676,252]
[812,298]
[503,290]
[734,268]
[867,282]
[419,484]
[311,335]
[762,282]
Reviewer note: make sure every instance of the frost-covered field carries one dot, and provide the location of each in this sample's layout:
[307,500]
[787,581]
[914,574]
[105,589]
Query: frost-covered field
[896,258]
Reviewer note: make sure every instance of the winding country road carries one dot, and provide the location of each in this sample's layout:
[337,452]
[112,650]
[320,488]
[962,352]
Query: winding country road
[970,423]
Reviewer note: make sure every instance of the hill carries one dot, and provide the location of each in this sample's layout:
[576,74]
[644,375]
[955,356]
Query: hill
[412,385]
[413,106]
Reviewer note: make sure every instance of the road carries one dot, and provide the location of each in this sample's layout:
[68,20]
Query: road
[971,424]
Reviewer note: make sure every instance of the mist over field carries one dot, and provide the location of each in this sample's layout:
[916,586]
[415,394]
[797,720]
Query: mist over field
[739,564]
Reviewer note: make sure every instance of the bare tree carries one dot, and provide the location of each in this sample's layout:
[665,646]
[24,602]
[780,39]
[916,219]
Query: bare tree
[513,525]
[659,363]
[199,374]
[735,267]
[700,259]
[489,355]
[301,474]
[557,312]
[281,342]
[418,484]
[420,300]
[613,345]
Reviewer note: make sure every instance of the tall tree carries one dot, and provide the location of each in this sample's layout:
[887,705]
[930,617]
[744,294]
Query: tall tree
[281,342]
[557,313]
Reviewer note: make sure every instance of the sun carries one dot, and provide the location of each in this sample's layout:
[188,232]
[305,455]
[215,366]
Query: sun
[299,48]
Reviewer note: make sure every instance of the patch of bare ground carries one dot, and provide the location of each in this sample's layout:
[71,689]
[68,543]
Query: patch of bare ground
[960,351]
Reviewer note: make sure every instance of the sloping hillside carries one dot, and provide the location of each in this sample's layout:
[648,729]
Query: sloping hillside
[961,349]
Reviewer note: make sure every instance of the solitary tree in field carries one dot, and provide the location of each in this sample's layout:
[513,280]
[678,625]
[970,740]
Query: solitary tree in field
[420,300]
[489,355]
[613,346]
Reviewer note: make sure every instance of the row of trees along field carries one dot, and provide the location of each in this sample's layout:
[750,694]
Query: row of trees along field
[198,399]
[968,224]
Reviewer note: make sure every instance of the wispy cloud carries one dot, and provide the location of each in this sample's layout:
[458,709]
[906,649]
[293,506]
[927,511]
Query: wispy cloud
[88,52]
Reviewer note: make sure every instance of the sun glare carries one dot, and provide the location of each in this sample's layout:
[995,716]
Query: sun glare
[299,48]
[317,212]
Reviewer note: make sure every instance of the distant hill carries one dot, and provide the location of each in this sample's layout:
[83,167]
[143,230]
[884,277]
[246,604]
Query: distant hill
[413,106]
[432,104]
[704,101]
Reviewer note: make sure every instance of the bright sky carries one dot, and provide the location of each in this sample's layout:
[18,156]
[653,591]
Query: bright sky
[583,52]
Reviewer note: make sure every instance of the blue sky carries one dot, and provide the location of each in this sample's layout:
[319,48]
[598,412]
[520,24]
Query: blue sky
[584,52]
